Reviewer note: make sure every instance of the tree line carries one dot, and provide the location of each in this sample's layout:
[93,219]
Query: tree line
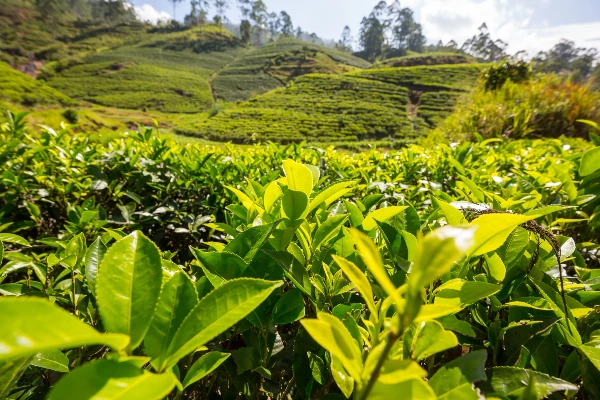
[258,24]
[390,30]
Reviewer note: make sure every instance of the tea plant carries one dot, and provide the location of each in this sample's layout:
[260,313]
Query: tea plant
[457,272]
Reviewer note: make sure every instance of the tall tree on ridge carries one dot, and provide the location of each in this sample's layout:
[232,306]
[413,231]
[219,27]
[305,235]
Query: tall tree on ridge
[345,42]
[285,22]
[198,14]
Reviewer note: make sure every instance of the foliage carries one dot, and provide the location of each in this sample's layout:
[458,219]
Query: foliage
[473,266]
[165,72]
[546,106]
[370,104]
[275,64]
[496,75]
[19,88]
[565,57]
[484,48]
[429,58]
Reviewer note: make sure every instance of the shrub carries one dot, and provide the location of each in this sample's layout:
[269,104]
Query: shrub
[546,106]
[435,273]
[71,116]
[496,75]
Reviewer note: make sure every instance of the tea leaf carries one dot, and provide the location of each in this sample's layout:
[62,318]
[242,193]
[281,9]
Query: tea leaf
[331,333]
[177,298]
[128,286]
[204,366]
[216,312]
[21,336]
[111,379]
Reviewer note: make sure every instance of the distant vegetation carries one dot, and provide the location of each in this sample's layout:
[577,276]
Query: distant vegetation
[267,79]
[17,87]
[433,58]
[372,104]
[272,66]
[544,106]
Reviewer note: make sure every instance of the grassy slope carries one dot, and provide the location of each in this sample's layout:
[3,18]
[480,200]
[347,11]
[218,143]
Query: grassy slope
[17,87]
[271,66]
[369,104]
[163,72]
[435,58]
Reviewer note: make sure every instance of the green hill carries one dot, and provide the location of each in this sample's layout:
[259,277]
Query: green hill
[163,72]
[272,66]
[373,104]
[19,88]
[435,58]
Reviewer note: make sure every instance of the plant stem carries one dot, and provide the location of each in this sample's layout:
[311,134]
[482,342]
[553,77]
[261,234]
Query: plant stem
[392,337]
[288,388]
[74,291]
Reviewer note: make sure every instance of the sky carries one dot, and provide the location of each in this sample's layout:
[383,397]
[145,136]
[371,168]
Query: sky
[530,25]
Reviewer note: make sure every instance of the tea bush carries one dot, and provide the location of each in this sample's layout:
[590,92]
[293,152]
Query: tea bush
[275,64]
[374,104]
[545,106]
[454,272]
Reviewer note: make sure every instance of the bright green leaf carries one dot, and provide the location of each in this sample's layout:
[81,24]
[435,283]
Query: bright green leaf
[128,286]
[111,379]
[331,333]
[53,360]
[430,338]
[464,293]
[289,308]
[204,366]
[381,215]
[590,162]
[177,298]
[93,259]
[21,335]
[360,281]
[217,312]
[299,177]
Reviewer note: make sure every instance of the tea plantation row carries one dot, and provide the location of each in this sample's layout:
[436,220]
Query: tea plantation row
[294,272]
[362,105]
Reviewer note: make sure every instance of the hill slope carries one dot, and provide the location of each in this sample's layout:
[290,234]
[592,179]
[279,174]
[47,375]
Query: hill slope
[434,58]
[275,64]
[164,72]
[17,87]
[394,103]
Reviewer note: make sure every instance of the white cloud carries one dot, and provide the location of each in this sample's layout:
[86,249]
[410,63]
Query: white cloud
[506,20]
[147,13]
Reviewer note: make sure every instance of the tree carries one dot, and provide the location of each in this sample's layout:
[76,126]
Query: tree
[199,13]
[371,37]
[484,48]
[566,57]
[273,23]
[175,7]
[258,14]
[246,31]
[112,12]
[299,33]
[285,22]
[345,43]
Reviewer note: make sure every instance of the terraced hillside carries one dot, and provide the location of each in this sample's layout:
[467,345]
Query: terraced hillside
[272,66]
[388,103]
[19,88]
[164,72]
[434,58]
